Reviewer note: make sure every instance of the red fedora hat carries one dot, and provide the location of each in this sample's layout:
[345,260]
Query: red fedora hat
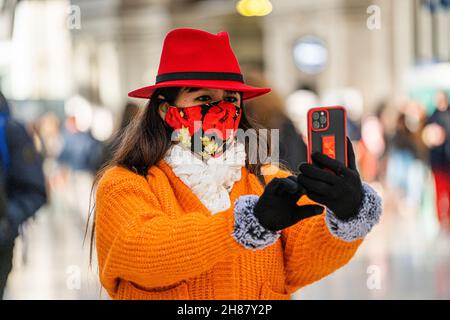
[196,58]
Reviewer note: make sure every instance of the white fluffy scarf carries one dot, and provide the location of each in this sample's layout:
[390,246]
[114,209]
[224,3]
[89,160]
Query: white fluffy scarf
[210,180]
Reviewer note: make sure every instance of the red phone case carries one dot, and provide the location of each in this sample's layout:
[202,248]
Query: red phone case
[332,138]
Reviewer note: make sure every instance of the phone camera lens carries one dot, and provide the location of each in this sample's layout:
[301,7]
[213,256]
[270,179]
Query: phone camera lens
[315,116]
[323,119]
[316,125]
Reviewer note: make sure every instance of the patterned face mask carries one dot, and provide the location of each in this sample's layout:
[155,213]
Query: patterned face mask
[206,129]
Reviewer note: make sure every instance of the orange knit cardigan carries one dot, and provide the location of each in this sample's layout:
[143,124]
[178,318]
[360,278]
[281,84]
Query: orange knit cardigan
[156,240]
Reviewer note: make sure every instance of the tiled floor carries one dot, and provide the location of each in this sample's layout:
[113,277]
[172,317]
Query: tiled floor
[404,257]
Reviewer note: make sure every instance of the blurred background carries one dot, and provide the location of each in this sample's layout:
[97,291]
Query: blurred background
[66,68]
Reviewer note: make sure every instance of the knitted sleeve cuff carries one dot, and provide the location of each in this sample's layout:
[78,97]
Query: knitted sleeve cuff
[247,230]
[358,227]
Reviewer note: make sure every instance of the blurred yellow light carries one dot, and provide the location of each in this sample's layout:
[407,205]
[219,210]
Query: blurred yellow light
[242,8]
[254,7]
[266,9]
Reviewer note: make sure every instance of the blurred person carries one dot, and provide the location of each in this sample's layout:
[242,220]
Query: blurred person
[437,137]
[407,154]
[80,151]
[49,128]
[383,132]
[80,158]
[269,111]
[22,185]
[57,175]
[387,114]
[180,215]
[373,144]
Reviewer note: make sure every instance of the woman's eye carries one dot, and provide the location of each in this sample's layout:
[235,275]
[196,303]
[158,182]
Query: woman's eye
[204,98]
[231,99]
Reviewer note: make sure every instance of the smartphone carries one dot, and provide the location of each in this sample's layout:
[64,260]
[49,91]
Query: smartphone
[327,132]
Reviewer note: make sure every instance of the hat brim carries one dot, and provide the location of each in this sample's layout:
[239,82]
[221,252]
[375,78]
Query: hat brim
[248,92]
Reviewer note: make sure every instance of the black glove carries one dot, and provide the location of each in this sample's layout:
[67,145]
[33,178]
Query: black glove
[340,191]
[276,209]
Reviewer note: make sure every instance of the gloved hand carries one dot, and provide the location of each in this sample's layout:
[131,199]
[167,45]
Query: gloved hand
[340,191]
[276,209]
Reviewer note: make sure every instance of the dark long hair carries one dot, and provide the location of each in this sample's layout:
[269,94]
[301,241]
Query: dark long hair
[146,140]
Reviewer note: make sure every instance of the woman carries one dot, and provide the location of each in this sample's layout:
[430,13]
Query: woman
[181,213]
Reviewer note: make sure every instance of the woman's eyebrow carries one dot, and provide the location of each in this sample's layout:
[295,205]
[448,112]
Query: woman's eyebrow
[231,92]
